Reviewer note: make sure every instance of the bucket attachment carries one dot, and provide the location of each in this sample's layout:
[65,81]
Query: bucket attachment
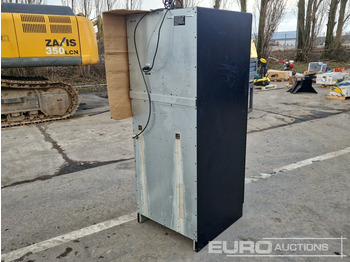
[304,85]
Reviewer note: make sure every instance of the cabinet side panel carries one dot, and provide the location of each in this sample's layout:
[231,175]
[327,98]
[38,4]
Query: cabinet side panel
[222,91]
[165,153]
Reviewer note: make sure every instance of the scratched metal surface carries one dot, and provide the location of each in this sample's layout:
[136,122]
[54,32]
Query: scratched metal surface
[165,166]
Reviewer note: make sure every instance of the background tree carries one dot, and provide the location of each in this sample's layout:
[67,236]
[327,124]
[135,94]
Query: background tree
[308,26]
[261,28]
[85,8]
[70,3]
[132,4]
[98,20]
[330,26]
[110,4]
[271,13]
[242,4]
[35,2]
[222,4]
[342,19]
[300,30]
[191,3]
[275,13]
[216,4]
[333,44]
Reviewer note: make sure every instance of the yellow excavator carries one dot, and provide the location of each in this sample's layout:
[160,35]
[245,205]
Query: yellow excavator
[41,36]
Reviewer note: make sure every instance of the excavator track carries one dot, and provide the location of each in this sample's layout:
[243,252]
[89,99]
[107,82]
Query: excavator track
[31,100]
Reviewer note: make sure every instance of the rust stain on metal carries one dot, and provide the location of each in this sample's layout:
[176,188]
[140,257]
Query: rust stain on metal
[143,177]
[179,189]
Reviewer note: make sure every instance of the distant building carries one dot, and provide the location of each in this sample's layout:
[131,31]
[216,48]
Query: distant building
[285,39]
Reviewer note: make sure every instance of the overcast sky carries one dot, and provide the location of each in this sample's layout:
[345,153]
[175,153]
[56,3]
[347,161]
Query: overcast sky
[288,23]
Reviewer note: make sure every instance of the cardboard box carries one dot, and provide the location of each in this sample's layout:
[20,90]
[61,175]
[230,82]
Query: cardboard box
[330,78]
[278,75]
[342,89]
[317,67]
[117,63]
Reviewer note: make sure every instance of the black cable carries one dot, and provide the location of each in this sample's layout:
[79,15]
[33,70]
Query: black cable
[141,70]
[144,80]
[148,69]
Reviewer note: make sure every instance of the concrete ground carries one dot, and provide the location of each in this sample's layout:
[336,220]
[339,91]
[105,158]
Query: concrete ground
[64,176]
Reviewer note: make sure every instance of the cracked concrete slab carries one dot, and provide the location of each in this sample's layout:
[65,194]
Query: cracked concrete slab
[281,146]
[310,201]
[276,107]
[26,155]
[302,106]
[94,138]
[259,120]
[295,204]
[39,152]
[65,203]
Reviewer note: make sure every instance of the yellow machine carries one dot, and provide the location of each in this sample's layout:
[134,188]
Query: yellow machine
[41,36]
[262,80]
